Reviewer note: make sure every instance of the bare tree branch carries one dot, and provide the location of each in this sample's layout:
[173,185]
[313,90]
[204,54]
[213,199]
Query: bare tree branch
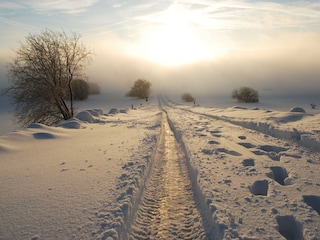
[41,75]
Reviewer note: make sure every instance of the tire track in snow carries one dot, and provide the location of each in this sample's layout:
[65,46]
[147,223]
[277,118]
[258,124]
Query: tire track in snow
[255,164]
[290,136]
[168,209]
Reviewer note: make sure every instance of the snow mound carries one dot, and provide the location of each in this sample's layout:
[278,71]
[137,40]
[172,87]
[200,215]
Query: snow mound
[6,148]
[43,135]
[297,109]
[238,107]
[85,116]
[71,124]
[95,112]
[113,111]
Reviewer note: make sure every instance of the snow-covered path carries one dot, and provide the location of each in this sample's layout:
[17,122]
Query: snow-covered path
[213,173]
[259,185]
[168,209]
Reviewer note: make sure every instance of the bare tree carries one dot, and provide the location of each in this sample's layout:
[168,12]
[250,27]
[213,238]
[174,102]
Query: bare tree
[140,89]
[41,74]
[246,94]
[187,97]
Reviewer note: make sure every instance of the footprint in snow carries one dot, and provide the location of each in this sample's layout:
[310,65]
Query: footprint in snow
[279,174]
[289,227]
[231,152]
[248,162]
[247,145]
[313,201]
[270,148]
[242,137]
[207,151]
[260,187]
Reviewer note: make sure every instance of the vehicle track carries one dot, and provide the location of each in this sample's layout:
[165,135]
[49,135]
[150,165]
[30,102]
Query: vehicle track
[288,137]
[231,160]
[168,209]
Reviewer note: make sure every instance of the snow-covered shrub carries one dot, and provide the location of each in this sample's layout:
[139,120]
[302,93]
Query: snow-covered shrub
[246,94]
[85,116]
[297,110]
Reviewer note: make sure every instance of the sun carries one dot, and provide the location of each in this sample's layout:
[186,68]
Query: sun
[173,39]
[175,45]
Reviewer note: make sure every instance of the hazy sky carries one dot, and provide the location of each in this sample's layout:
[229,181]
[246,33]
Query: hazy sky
[191,45]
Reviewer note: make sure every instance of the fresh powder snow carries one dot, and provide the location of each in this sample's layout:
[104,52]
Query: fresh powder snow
[164,170]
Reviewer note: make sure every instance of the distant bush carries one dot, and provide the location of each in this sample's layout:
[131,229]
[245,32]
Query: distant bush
[246,94]
[187,97]
[140,89]
[80,89]
[94,88]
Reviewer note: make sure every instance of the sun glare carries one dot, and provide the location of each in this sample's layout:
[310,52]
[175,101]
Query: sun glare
[173,40]
[175,46]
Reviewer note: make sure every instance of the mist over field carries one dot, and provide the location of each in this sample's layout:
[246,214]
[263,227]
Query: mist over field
[290,70]
[205,48]
[202,47]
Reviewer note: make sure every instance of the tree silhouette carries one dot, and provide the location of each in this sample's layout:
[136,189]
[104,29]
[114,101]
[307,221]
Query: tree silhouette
[140,89]
[246,94]
[41,76]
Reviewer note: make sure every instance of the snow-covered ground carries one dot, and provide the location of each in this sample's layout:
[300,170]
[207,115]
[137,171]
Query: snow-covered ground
[253,172]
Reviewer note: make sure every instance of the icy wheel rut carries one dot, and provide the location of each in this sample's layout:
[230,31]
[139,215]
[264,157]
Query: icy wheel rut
[168,209]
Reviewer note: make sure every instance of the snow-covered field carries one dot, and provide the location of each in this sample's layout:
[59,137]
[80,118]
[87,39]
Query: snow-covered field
[253,172]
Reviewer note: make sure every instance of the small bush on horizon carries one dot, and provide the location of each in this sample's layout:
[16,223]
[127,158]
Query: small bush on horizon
[140,89]
[246,94]
[187,97]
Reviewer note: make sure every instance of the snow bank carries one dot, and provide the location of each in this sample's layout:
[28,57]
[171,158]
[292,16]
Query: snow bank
[84,178]
[113,111]
[297,127]
[73,123]
[75,181]
[86,116]
[251,171]
[297,109]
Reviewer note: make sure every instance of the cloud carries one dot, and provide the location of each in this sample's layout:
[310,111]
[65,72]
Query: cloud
[237,14]
[51,7]
[9,5]
[117,5]
[17,24]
